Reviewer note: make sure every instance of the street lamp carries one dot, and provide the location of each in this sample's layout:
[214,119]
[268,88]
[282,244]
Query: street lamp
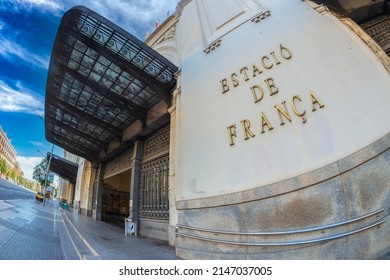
[47,168]
[42,174]
[40,153]
[47,175]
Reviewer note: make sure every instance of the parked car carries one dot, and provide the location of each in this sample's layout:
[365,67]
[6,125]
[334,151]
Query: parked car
[64,204]
[39,196]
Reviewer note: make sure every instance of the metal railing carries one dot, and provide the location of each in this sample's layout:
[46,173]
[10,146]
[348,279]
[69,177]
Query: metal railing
[288,243]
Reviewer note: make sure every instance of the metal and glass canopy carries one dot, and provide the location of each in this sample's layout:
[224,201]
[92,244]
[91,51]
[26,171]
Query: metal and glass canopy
[63,168]
[101,79]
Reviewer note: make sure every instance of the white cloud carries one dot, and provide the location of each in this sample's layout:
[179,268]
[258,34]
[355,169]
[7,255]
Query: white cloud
[2,25]
[136,16]
[12,50]
[52,6]
[19,99]
[133,11]
[27,165]
[48,4]
[37,144]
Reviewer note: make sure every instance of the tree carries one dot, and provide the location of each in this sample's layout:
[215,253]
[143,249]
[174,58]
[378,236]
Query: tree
[12,174]
[20,180]
[3,166]
[39,172]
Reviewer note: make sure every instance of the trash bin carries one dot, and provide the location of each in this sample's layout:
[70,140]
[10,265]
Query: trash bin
[130,227]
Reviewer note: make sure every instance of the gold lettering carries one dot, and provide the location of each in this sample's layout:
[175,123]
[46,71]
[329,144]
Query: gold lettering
[232,133]
[246,124]
[265,122]
[315,100]
[302,115]
[261,93]
[256,70]
[271,86]
[285,52]
[275,58]
[266,66]
[243,71]
[284,112]
[225,87]
[235,80]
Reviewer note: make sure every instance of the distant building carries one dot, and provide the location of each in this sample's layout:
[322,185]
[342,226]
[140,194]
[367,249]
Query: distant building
[8,152]
[76,191]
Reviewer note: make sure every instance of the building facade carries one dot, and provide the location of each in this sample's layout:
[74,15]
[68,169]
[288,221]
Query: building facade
[8,152]
[75,185]
[252,130]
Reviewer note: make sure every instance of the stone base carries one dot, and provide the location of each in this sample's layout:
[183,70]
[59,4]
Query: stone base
[154,229]
[97,214]
[86,212]
[340,211]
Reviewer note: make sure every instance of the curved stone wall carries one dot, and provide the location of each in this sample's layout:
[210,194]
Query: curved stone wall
[339,211]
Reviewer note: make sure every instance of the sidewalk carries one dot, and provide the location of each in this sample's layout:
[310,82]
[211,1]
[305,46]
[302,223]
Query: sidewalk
[84,238]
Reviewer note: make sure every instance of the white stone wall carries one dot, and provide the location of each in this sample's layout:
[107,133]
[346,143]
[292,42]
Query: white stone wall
[325,64]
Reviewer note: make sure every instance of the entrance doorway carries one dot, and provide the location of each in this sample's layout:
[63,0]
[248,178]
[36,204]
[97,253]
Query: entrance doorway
[115,198]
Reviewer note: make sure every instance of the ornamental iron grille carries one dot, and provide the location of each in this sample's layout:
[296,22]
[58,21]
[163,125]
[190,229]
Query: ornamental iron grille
[157,143]
[379,29]
[153,192]
[101,79]
[119,164]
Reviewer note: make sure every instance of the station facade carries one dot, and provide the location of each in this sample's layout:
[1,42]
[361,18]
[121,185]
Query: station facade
[252,130]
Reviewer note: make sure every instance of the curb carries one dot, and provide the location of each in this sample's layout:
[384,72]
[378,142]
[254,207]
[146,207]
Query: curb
[74,245]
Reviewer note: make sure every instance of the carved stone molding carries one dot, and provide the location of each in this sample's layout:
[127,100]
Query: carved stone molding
[261,16]
[213,46]
[322,9]
[180,6]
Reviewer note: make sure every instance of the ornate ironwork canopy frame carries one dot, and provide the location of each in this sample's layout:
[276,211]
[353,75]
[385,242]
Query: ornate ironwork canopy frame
[101,79]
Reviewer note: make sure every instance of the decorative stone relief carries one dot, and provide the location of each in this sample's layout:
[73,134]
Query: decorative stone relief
[169,34]
[261,17]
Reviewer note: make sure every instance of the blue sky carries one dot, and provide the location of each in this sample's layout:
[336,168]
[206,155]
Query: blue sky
[27,32]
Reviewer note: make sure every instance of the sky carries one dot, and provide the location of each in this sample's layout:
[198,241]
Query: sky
[27,33]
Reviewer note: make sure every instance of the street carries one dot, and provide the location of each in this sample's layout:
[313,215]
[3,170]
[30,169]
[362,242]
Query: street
[31,231]
[28,230]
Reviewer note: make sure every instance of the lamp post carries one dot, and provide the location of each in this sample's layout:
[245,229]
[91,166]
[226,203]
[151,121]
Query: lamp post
[47,168]
[40,153]
[47,175]
[41,171]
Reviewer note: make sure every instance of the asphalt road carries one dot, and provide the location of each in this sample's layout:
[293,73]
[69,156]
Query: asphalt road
[28,230]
